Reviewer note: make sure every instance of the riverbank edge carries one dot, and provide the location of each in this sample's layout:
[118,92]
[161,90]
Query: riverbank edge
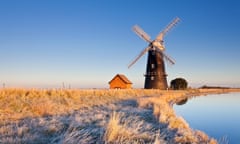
[180,130]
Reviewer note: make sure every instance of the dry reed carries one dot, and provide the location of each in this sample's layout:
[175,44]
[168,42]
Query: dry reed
[84,116]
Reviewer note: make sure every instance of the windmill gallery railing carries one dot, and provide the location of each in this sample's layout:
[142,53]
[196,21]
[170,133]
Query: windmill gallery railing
[155,74]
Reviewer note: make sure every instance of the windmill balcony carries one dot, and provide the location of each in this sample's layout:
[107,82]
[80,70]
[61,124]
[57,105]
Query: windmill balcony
[153,74]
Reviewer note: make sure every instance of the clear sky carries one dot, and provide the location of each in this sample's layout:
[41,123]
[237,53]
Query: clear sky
[84,43]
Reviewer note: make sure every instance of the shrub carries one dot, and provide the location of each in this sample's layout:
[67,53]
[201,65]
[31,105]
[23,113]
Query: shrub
[179,84]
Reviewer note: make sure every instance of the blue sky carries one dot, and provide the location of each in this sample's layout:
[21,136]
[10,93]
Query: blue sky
[44,43]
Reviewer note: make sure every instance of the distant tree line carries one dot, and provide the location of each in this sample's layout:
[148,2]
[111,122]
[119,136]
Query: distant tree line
[213,87]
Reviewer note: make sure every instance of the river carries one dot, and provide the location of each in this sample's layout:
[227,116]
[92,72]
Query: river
[216,115]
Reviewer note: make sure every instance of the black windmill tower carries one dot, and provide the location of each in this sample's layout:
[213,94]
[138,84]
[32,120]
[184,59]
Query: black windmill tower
[155,77]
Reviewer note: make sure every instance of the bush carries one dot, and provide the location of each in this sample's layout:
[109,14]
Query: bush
[179,84]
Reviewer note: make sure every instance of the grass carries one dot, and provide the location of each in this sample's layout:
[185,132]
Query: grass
[122,129]
[94,116]
[20,103]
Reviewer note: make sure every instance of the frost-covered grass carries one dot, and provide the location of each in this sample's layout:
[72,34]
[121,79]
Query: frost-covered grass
[75,116]
[178,130]
[20,103]
[94,116]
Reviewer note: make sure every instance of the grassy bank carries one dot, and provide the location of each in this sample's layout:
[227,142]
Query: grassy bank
[20,103]
[95,116]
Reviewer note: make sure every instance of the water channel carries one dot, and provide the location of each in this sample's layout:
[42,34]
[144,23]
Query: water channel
[216,115]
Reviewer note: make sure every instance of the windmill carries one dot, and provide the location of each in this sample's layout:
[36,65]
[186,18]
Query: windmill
[155,77]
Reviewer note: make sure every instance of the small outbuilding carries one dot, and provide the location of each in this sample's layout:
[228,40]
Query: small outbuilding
[120,81]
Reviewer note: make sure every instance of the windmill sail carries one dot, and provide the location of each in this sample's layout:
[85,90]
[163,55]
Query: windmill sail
[167,57]
[167,29]
[139,56]
[141,33]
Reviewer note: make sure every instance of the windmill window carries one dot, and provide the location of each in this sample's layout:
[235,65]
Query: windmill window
[152,78]
[153,66]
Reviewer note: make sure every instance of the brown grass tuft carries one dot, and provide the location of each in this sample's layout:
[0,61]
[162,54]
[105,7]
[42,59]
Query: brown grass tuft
[122,129]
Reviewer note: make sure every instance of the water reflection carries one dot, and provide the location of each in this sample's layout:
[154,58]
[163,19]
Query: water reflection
[216,115]
[182,101]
